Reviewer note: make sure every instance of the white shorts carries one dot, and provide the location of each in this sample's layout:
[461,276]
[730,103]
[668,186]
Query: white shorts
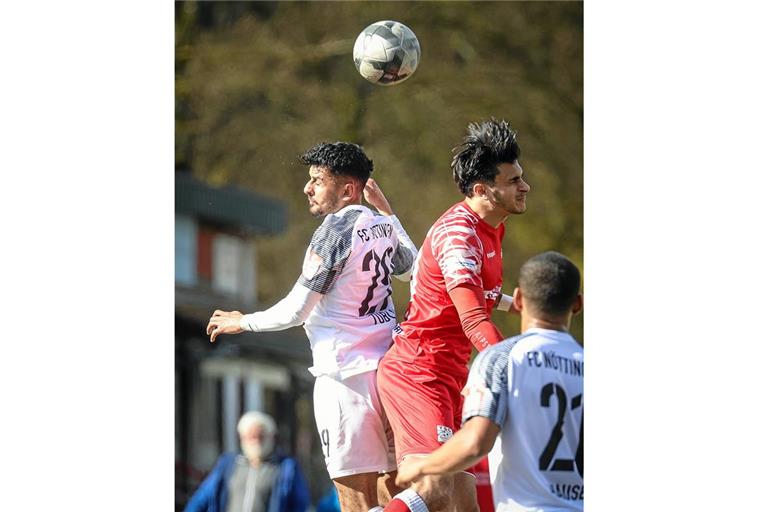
[354,432]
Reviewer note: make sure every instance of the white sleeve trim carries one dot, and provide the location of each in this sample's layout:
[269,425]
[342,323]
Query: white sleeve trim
[505,303]
[291,311]
[406,242]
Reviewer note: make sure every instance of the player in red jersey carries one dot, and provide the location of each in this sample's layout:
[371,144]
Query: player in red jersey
[456,283]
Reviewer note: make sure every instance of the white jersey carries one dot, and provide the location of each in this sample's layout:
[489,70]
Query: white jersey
[532,386]
[350,261]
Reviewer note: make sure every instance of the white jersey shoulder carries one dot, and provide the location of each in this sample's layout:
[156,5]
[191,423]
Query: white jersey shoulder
[351,260]
[532,386]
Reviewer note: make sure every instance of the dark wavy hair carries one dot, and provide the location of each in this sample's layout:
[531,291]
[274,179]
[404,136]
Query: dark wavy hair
[486,145]
[342,158]
[550,283]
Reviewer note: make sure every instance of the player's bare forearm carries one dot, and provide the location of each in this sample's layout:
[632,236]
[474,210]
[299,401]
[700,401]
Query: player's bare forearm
[465,449]
[376,198]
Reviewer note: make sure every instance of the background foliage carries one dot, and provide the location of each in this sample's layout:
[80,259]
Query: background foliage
[257,83]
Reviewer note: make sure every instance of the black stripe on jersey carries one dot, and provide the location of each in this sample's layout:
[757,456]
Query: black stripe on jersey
[490,369]
[332,241]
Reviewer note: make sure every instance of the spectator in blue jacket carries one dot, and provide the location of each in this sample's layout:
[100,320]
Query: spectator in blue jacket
[258,480]
[329,502]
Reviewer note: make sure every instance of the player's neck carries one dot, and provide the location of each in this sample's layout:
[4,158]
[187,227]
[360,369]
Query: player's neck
[551,324]
[348,202]
[486,211]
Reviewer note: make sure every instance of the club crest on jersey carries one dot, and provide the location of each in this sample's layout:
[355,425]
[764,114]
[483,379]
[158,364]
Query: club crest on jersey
[444,433]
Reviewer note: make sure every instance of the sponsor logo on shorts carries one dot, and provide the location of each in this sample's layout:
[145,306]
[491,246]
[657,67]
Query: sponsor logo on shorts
[444,433]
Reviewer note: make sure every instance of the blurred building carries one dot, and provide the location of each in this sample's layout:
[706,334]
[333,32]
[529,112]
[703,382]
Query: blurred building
[216,237]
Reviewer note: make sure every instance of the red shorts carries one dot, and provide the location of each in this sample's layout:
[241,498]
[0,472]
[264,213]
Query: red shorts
[423,409]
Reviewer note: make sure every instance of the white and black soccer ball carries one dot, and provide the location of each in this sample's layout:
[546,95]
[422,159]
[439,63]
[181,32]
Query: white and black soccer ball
[386,52]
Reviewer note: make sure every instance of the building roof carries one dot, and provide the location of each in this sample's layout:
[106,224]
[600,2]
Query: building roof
[229,205]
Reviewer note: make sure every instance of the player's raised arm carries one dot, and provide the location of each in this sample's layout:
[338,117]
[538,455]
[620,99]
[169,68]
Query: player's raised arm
[406,252]
[376,198]
[291,311]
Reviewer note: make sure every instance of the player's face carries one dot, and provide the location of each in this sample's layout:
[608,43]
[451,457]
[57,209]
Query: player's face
[509,189]
[323,191]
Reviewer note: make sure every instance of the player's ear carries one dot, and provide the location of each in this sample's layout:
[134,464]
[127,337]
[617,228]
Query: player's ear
[578,304]
[517,299]
[479,189]
[349,189]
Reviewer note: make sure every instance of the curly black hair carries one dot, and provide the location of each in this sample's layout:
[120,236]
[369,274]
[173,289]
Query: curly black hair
[342,158]
[486,145]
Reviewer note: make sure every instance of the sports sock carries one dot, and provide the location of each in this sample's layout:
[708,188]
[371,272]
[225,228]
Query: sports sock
[406,501]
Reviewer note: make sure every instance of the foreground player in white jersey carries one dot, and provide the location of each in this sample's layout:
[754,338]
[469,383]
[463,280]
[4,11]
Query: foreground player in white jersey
[529,388]
[343,299]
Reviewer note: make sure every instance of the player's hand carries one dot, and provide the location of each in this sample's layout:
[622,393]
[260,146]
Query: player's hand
[375,197]
[409,471]
[224,322]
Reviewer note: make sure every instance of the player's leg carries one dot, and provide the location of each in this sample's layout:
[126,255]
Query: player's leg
[387,488]
[354,443]
[357,493]
[438,493]
[421,413]
[464,483]
[464,497]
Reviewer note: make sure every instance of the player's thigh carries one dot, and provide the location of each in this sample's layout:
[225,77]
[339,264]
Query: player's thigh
[351,427]
[422,414]
[357,493]
[448,493]
[437,491]
[387,487]
[464,493]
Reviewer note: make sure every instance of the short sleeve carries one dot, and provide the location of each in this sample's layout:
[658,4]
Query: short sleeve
[328,252]
[402,261]
[459,253]
[486,389]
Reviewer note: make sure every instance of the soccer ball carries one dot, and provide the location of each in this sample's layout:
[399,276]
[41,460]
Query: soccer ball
[386,52]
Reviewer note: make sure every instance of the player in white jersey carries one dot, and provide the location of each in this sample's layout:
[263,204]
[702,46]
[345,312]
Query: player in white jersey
[343,299]
[529,390]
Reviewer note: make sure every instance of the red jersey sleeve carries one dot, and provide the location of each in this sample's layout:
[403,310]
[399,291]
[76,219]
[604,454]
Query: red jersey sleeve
[477,326]
[459,252]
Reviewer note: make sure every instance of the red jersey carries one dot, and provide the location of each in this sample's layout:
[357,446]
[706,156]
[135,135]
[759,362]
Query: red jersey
[460,248]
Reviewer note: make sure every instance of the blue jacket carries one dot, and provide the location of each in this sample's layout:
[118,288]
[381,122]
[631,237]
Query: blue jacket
[290,493]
